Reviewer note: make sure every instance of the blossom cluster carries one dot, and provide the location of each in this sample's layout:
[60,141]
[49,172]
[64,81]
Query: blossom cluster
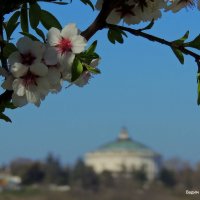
[37,68]
[136,11]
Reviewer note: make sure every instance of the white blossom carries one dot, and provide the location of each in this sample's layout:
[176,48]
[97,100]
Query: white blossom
[30,83]
[177,5]
[133,12]
[67,43]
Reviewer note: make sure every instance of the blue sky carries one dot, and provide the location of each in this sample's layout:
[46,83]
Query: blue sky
[142,87]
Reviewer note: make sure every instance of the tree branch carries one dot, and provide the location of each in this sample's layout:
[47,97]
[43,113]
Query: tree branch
[155,39]
[100,21]
[6,96]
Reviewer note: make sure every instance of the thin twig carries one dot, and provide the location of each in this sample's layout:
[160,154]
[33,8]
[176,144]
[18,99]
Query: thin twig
[155,39]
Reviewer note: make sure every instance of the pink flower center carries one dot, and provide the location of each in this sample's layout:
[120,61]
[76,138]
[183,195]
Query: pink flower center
[29,79]
[27,59]
[64,45]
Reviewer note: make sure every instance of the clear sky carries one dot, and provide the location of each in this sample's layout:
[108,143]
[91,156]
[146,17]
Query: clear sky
[142,87]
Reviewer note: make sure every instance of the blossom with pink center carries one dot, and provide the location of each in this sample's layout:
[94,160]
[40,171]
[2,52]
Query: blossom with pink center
[28,58]
[30,83]
[67,43]
[64,46]
[29,89]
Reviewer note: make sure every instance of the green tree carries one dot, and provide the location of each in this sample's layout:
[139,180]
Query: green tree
[107,179]
[33,174]
[167,177]
[84,176]
[54,172]
[139,175]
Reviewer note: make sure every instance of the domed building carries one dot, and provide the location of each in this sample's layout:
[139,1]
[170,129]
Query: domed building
[124,153]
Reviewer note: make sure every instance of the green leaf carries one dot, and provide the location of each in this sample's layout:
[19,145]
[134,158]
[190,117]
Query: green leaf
[48,20]
[88,2]
[10,105]
[5,118]
[110,37]
[178,54]
[77,69]
[185,37]
[149,26]
[12,24]
[11,30]
[24,18]
[92,48]
[34,15]
[30,36]
[8,49]
[92,69]
[115,34]
[181,40]
[118,36]
[41,34]
[194,43]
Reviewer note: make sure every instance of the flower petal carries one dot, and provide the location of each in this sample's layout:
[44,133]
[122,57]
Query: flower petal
[19,101]
[79,44]
[33,95]
[37,51]
[15,57]
[99,4]
[54,75]
[19,70]
[66,76]
[39,69]
[56,88]
[83,79]
[24,45]
[69,31]
[66,61]
[95,62]
[7,84]
[43,86]
[114,17]
[50,56]
[53,36]
[18,87]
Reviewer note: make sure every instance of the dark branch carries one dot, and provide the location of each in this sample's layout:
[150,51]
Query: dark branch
[5,97]
[155,39]
[100,22]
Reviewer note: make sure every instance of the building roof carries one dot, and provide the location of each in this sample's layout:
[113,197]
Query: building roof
[125,144]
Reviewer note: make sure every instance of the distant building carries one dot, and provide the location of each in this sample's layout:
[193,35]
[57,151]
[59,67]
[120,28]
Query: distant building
[9,182]
[124,153]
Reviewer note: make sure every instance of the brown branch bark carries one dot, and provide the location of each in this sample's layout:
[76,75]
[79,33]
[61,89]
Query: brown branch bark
[100,21]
